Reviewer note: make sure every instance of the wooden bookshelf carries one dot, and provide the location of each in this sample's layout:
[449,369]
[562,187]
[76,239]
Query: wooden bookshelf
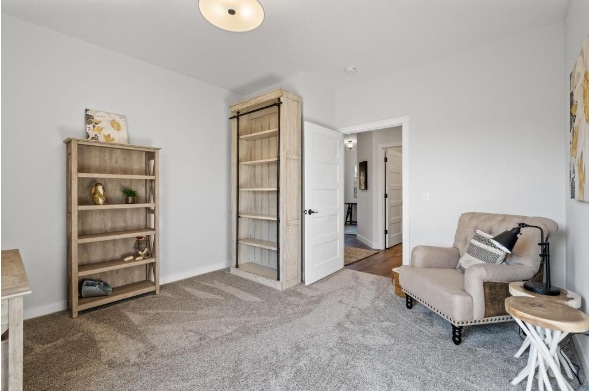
[101,236]
[266,189]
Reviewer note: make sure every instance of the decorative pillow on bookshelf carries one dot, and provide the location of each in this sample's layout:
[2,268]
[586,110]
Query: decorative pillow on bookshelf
[480,250]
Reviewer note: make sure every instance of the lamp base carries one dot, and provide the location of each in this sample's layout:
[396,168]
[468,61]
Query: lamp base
[541,288]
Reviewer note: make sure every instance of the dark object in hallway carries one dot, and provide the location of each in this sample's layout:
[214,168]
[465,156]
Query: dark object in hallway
[350,213]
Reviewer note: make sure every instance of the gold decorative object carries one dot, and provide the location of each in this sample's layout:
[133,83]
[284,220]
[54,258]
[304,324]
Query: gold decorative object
[98,194]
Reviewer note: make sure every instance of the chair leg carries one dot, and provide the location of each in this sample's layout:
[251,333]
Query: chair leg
[348,213]
[408,301]
[456,334]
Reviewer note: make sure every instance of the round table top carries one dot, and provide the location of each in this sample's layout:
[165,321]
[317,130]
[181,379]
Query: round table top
[549,314]
[567,297]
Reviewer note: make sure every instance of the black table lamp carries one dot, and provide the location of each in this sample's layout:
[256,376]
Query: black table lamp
[506,241]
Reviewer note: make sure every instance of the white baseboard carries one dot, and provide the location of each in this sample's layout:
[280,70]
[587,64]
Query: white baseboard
[62,305]
[45,310]
[195,272]
[366,241]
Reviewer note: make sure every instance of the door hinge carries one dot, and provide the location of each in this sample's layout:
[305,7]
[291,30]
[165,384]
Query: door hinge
[386,231]
[386,195]
[386,159]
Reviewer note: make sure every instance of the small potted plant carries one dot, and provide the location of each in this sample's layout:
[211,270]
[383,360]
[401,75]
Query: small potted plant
[130,195]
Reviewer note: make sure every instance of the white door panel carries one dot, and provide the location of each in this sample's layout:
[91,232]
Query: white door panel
[394,204]
[323,200]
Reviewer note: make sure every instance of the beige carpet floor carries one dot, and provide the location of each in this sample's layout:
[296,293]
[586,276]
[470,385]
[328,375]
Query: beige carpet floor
[217,331]
[354,254]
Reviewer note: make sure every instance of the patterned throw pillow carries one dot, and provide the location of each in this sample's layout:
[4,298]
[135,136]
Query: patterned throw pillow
[480,250]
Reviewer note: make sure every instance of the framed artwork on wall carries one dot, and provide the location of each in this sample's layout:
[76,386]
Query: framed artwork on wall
[355,181]
[363,175]
[579,126]
[106,127]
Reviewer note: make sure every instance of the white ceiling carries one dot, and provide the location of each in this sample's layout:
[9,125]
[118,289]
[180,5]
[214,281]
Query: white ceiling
[319,37]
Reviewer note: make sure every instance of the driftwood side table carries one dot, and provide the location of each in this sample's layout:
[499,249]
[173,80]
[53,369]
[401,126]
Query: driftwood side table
[546,323]
[568,297]
[15,284]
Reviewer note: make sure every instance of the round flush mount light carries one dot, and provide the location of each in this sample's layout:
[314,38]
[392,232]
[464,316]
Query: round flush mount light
[350,70]
[232,15]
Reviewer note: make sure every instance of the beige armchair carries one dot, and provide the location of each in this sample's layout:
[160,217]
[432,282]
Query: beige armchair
[476,295]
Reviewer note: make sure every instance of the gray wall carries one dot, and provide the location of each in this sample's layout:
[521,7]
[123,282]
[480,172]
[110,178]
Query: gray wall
[461,109]
[48,80]
[365,196]
[577,213]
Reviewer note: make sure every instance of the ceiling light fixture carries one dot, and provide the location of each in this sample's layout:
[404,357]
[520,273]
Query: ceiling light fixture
[232,15]
[350,70]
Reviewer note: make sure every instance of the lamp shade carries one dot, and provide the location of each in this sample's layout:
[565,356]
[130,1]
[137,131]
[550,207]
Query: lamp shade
[232,15]
[506,240]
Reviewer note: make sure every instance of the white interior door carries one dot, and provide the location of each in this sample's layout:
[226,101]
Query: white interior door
[323,181]
[394,199]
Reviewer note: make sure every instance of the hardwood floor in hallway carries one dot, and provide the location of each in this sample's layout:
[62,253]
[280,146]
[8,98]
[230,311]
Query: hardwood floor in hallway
[380,263]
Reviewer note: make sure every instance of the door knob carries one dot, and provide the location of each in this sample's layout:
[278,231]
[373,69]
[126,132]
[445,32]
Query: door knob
[310,211]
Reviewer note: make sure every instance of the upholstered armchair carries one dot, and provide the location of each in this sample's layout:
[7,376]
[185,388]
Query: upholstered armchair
[477,294]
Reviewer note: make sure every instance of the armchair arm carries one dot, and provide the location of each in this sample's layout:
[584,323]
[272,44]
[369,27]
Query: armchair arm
[431,256]
[475,275]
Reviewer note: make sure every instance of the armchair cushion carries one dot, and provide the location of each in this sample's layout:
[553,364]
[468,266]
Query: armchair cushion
[432,256]
[442,288]
[480,250]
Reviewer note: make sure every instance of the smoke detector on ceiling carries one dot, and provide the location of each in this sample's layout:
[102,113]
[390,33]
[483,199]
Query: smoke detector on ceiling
[350,70]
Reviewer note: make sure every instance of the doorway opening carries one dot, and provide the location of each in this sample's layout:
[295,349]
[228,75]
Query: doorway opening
[381,208]
[351,181]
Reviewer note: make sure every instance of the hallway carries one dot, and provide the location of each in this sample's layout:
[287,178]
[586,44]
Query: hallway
[380,263]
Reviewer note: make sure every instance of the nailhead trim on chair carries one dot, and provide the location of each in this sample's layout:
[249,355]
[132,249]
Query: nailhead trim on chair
[493,319]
